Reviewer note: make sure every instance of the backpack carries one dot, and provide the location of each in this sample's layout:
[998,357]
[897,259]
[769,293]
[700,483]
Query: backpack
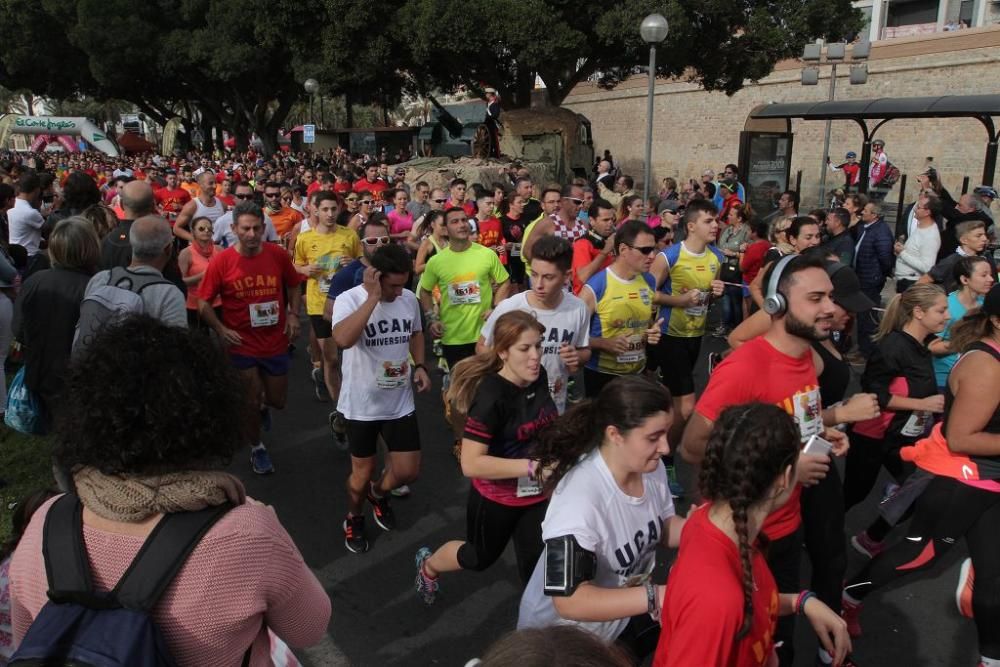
[121,296]
[891,176]
[81,627]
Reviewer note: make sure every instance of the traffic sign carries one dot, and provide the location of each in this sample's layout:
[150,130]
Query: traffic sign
[309,134]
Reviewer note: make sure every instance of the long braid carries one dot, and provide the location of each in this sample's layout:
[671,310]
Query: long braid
[749,447]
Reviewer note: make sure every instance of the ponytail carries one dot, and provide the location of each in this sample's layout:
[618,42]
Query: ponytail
[467,375]
[900,310]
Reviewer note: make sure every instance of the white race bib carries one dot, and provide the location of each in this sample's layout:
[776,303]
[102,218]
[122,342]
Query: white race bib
[323,283]
[808,413]
[393,374]
[701,308]
[515,250]
[463,292]
[266,314]
[528,486]
[635,352]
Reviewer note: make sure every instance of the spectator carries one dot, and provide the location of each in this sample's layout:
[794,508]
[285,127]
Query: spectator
[731,173]
[137,201]
[840,243]
[971,242]
[48,307]
[918,254]
[873,259]
[788,207]
[966,210]
[212,613]
[24,220]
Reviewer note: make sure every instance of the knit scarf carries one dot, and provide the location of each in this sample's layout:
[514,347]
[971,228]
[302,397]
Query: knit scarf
[134,498]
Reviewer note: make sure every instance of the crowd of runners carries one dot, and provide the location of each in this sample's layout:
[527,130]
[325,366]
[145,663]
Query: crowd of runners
[564,323]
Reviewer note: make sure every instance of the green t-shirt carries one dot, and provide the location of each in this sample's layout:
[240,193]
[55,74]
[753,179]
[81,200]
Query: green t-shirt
[466,282]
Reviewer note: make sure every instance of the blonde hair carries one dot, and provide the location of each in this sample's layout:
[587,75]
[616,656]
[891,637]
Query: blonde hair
[74,245]
[899,312]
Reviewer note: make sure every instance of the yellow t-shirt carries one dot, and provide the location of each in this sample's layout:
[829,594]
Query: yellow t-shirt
[331,251]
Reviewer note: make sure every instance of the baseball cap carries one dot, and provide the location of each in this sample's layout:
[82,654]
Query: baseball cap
[847,289]
[985,191]
[729,184]
[851,154]
[991,304]
[878,142]
[671,205]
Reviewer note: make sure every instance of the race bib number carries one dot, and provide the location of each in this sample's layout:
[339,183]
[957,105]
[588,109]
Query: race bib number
[393,374]
[464,292]
[701,308]
[266,314]
[917,424]
[528,486]
[323,282]
[808,413]
[636,350]
[515,250]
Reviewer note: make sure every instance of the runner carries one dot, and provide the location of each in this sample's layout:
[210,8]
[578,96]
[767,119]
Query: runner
[619,300]
[465,272]
[193,261]
[722,602]
[504,392]
[205,205]
[687,277]
[320,253]
[378,325]
[258,285]
[595,250]
[963,497]
[778,369]
[565,343]
[171,199]
[611,506]
[457,190]
[222,229]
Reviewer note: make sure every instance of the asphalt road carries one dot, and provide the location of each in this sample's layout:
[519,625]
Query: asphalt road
[379,620]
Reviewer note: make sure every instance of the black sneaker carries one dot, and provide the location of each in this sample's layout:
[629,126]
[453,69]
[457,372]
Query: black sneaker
[319,385]
[383,514]
[354,534]
[338,426]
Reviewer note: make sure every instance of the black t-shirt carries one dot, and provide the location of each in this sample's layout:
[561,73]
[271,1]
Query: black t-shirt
[532,209]
[899,356]
[513,230]
[505,417]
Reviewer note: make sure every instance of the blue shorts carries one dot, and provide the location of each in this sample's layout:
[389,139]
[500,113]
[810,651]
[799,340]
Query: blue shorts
[273,366]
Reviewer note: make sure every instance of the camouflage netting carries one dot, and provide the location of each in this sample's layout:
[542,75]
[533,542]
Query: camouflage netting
[439,171]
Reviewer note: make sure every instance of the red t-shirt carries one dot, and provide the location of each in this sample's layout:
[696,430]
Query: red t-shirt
[253,296]
[584,252]
[703,605]
[491,234]
[756,371]
[313,187]
[172,201]
[753,260]
[341,187]
[228,200]
[376,187]
[467,206]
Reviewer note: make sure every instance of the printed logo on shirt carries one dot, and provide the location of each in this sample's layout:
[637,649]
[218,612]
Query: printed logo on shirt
[554,338]
[258,285]
[629,557]
[378,333]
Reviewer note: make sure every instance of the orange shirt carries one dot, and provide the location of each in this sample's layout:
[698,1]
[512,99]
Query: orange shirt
[285,219]
[192,189]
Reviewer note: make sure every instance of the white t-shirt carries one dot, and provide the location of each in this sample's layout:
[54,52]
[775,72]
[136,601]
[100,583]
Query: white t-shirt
[222,230]
[376,369]
[568,323]
[621,530]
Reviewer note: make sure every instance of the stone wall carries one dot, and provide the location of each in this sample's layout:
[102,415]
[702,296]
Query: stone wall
[694,129]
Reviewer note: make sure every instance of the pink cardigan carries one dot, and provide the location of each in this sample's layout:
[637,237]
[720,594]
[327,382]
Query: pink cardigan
[246,572]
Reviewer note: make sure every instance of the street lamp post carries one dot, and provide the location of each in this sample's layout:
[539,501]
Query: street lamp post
[653,30]
[311,86]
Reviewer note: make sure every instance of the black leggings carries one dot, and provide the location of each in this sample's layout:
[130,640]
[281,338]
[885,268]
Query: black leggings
[864,460]
[823,524]
[490,525]
[946,511]
[784,558]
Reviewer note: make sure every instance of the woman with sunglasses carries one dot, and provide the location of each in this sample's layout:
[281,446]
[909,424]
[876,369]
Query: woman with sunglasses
[193,260]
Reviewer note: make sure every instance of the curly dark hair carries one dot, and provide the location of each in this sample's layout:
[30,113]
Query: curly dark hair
[147,399]
[80,191]
[748,448]
[625,403]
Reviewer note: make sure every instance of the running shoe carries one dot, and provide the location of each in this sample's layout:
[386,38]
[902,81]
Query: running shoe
[319,385]
[852,614]
[260,461]
[383,514]
[427,587]
[401,491]
[963,593]
[866,546]
[720,331]
[354,534]
[676,490]
[265,418]
[338,425]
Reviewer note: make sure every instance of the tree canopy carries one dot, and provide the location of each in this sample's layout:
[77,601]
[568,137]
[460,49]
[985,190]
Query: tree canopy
[240,64]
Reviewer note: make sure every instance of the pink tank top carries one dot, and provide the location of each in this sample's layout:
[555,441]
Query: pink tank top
[198,265]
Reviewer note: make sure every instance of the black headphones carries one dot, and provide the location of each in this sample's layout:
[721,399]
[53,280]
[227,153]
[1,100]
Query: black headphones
[774,301]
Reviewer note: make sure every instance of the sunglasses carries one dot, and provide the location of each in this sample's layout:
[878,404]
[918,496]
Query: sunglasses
[376,241]
[578,202]
[645,250]
[203,229]
[351,199]
[243,196]
[366,202]
[271,195]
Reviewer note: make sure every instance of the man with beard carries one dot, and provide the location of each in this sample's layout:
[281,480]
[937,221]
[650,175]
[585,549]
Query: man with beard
[171,198]
[777,368]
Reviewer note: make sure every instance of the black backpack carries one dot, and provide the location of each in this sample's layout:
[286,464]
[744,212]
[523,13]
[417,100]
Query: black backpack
[80,627]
